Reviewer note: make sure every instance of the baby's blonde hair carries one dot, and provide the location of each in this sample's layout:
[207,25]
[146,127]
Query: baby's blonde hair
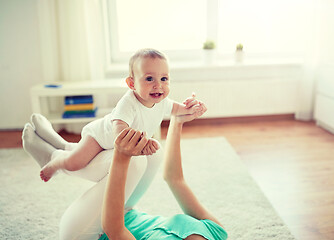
[144,53]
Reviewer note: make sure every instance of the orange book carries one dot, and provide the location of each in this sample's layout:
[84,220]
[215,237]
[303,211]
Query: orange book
[78,107]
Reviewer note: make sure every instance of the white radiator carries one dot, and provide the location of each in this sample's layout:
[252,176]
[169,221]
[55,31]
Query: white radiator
[241,97]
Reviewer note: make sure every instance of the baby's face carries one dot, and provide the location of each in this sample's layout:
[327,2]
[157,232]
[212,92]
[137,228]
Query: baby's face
[151,80]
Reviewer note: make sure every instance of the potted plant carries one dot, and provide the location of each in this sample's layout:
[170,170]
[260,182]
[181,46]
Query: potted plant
[239,47]
[209,47]
[239,53]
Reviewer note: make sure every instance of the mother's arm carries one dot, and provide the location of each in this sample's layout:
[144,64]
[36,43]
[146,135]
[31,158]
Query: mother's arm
[128,143]
[173,173]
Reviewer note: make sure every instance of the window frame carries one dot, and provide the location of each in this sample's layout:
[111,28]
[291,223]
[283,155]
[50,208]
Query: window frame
[114,55]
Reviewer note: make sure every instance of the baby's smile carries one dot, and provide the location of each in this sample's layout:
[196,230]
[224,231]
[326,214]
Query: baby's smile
[156,95]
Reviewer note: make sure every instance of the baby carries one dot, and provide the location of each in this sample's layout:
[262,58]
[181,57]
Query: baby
[143,107]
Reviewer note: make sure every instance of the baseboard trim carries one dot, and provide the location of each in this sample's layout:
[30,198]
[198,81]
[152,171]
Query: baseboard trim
[226,120]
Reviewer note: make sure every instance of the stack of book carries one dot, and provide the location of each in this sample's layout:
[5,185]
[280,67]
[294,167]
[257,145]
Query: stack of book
[79,107]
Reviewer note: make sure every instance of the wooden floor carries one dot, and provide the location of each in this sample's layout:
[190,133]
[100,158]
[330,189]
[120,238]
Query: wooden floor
[292,162]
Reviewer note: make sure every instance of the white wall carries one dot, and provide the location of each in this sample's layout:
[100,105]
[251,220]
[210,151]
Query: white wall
[21,68]
[20,60]
[326,32]
[324,104]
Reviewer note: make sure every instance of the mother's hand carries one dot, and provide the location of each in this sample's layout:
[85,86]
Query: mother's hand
[130,142]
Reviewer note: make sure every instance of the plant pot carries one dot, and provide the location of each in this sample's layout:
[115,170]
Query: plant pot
[209,56]
[239,56]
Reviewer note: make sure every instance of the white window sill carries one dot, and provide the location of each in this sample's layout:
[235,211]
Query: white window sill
[222,69]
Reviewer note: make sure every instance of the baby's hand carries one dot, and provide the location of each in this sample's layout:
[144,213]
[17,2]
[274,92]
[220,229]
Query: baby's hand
[151,147]
[190,101]
[192,106]
[199,110]
[189,106]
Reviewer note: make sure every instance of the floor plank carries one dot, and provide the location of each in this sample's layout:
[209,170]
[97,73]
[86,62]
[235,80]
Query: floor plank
[292,162]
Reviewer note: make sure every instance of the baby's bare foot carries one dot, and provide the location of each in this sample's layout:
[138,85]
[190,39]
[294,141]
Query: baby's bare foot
[47,171]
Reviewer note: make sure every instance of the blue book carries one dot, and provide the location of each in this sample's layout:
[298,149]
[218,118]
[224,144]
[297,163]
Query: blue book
[80,114]
[69,100]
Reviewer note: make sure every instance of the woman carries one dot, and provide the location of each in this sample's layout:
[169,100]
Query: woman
[82,220]
[196,223]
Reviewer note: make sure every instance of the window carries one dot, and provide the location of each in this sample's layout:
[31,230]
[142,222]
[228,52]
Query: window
[172,26]
[179,27]
[265,27]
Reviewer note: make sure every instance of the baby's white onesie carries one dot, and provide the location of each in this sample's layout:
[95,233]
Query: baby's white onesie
[132,112]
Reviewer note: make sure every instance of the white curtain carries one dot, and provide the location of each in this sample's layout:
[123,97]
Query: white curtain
[72,40]
[72,44]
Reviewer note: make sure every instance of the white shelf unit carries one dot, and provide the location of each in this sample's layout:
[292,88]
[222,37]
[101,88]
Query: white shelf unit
[42,97]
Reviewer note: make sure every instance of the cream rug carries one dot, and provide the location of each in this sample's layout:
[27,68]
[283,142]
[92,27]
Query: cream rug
[31,209]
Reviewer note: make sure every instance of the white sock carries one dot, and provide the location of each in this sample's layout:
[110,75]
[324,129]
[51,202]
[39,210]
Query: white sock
[40,150]
[70,146]
[45,130]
